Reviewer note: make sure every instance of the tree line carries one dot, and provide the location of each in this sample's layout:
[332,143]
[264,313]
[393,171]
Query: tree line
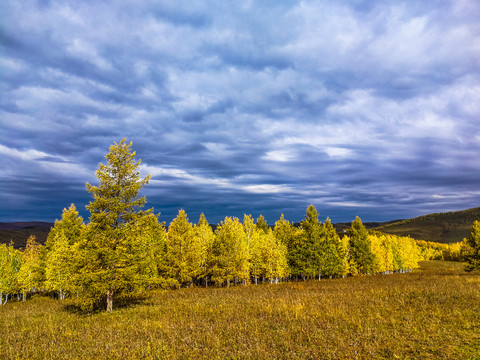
[125,249]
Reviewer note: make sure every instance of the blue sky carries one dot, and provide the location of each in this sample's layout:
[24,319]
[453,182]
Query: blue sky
[366,108]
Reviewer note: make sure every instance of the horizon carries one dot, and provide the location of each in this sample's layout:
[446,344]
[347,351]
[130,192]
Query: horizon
[86,219]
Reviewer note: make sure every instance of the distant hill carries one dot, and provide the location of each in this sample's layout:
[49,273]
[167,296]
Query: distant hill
[19,232]
[447,227]
[342,228]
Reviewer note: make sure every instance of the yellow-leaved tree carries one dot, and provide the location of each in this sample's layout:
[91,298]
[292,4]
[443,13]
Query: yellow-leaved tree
[10,262]
[471,248]
[30,275]
[60,259]
[230,253]
[111,257]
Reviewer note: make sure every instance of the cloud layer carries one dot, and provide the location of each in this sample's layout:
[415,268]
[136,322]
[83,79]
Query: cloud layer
[366,109]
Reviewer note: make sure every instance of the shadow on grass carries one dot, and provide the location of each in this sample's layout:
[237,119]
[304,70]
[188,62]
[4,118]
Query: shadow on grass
[79,307]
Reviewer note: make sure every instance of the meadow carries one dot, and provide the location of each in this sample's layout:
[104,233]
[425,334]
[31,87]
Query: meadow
[431,313]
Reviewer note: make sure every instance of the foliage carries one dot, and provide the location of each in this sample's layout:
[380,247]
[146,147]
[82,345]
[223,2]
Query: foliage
[203,234]
[229,253]
[183,251]
[334,252]
[59,270]
[262,224]
[471,248]
[70,226]
[61,251]
[30,274]
[108,249]
[10,262]
[362,257]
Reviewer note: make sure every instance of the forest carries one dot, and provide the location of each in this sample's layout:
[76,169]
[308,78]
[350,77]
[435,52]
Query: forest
[125,250]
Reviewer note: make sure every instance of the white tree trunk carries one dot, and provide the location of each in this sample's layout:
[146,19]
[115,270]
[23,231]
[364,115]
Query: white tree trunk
[110,300]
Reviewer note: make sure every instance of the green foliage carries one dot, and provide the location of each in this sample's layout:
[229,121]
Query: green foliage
[471,248]
[262,224]
[59,270]
[284,231]
[309,252]
[204,237]
[109,249]
[333,252]
[363,259]
[116,202]
[10,262]
[30,275]
[70,226]
[60,252]
[147,238]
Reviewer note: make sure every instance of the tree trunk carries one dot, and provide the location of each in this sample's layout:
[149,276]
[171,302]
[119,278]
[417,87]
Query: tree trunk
[110,300]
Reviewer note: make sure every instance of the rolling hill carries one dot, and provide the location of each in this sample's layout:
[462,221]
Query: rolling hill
[447,227]
[18,232]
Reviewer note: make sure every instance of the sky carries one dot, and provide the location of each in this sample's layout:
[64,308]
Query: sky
[367,108]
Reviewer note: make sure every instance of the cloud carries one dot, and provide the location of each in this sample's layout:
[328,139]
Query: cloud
[362,109]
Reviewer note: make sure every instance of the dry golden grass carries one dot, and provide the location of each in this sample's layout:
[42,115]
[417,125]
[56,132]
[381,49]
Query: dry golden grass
[433,313]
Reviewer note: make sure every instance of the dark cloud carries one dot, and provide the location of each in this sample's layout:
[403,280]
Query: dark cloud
[361,109]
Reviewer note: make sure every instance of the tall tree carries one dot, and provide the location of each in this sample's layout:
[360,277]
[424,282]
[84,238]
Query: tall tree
[204,236]
[10,262]
[313,238]
[59,257]
[361,248]
[273,254]
[333,251]
[284,231]
[182,253]
[108,266]
[59,269]
[471,248]
[30,275]
[230,253]
[289,237]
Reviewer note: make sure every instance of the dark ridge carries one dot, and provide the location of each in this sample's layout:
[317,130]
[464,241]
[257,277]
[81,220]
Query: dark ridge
[24,225]
[19,232]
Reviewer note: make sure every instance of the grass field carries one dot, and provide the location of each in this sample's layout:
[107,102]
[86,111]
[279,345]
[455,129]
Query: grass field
[433,313]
